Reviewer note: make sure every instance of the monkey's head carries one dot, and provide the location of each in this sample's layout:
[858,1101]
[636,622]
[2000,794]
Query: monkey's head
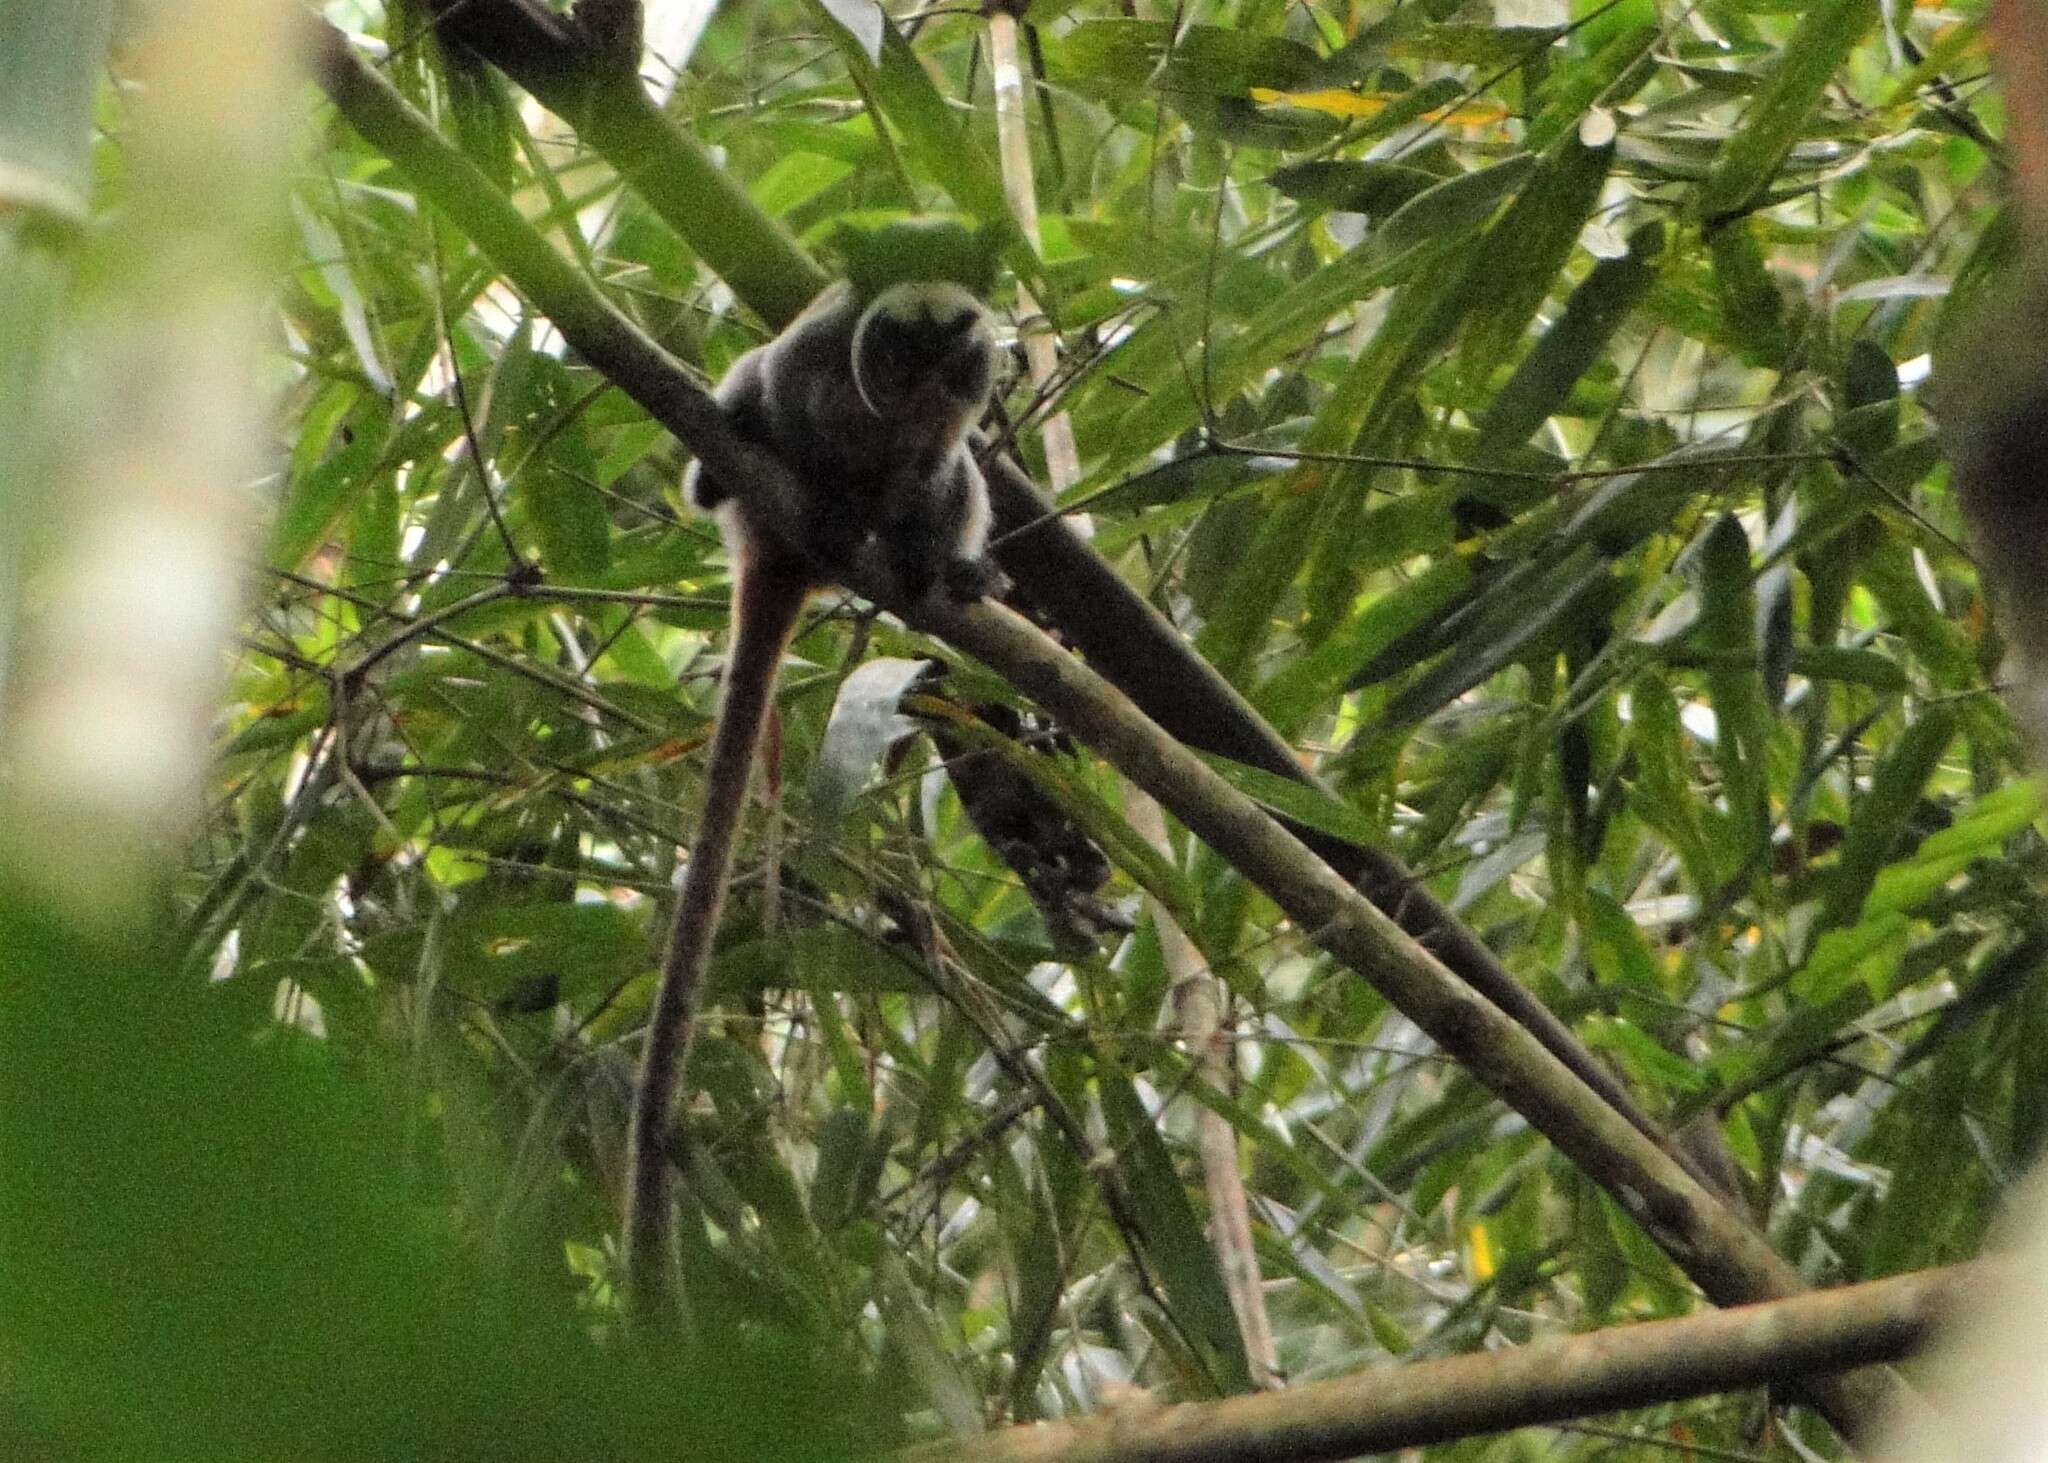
[925,351]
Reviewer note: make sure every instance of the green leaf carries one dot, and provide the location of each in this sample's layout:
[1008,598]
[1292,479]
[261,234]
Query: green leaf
[913,104]
[1778,116]
[1532,241]
[1307,805]
[319,498]
[1304,685]
[1888,572]
[1616,947]
[1609,77]
[574,529]
[1173,1237]
[1416,235]
[1752,306]
[488,954]
[1882,813]
[1504,629]
[844,1141]
[828,958]
[1570,348]
[1979,832]
[1727,629]
[1211,59]
[1371,188]
[1649,1059]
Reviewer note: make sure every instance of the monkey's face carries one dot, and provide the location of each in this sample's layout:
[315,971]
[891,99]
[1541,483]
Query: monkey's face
[925,351]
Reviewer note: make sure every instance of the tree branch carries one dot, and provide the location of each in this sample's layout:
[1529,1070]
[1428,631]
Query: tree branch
[593,84]
[1101,615]
[1729,1260]
[1391,1408]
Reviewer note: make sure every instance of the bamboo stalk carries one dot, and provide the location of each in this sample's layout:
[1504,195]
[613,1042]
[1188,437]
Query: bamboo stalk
[51,57]
[1062,459]
[154,493]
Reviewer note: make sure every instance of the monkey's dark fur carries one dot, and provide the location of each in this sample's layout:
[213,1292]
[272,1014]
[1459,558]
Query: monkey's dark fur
[868,403]
[872,404]
[1060,865]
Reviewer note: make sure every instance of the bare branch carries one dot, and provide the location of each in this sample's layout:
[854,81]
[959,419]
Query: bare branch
[1390,1408]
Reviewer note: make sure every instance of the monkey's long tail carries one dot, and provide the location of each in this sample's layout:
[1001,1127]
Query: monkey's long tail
[766,603]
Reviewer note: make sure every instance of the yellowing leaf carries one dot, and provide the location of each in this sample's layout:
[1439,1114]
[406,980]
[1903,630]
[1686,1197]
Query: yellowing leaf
[1483,1261]
[1336,102]
[1472,114]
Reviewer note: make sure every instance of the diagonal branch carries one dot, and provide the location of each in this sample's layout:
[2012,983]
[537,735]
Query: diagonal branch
[592,82]
[1730,1261]
[1722,1253]
[596,90]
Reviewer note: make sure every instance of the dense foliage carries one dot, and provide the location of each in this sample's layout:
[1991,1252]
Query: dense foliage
[1524,410]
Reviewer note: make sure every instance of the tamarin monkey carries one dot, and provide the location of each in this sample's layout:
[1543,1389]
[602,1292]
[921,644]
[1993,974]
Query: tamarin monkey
[867,398]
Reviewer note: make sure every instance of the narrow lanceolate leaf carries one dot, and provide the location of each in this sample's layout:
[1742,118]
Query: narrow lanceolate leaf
[1372,188]
[1415,237]
[1777,117]
[1869,422]
[1935,640]
[1727,625]
[1881,815]
[1609,77]
[1172,1236]
[1751,306]
[316,500]
[919,1339]
[864,21]
[1503,634]
[1935,1207]
[570,521]
[1032,1233]
[930,131]
[1212,60]
[1454,205]
[1307,682]
[1419,324]
[1570,348]
[1664,794]
[1530,244]
[1307,805]
[1978,832]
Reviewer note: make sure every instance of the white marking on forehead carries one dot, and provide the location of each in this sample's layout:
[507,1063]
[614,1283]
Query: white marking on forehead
[939,301]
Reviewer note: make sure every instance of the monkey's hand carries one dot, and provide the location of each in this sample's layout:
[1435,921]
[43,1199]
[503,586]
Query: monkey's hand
[967,580]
